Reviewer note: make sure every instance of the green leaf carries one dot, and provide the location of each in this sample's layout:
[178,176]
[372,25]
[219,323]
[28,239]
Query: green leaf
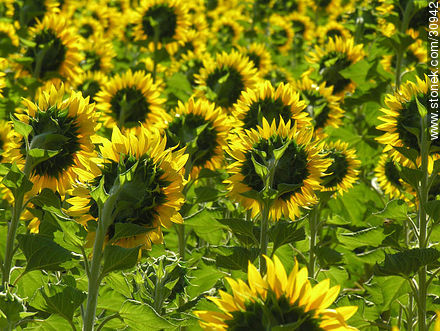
[409,153]
[328,256]
[367,237]
[239,258]
[204,223]
[42,253]
[38,155]
[421,108]
[11,306]
[283,232]
[240,226]
[408,262]
[125,230]
[22,128]
[278,152]
[259,168]
[203,279]
[207,193]
[53,323]
[119,258]
[16,181]
[411,176]
[433,209]
[395,209]
[99,194]
[138,315]
[59,299]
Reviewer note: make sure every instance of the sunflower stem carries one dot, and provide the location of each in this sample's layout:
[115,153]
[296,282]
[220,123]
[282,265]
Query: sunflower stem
[264,239]
[423,223]
[407,14]
[155,42]
[95,277]
[313,224]
[12,229]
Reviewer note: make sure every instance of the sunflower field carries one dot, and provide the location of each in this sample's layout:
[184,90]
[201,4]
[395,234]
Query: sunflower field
[245,165]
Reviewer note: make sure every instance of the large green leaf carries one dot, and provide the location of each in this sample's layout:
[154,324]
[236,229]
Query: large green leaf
[119,258]
[239,258]
[283,232]
[367,237]
[59,299]
[42,253]
[408,262]
[141,317]
[395,209]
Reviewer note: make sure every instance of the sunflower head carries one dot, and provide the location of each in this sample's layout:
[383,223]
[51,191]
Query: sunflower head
[281,33]
[401,119]
[29,12]
[322,106]
[277,299]
[130,99]
[90,83]
[338,54]
[287,153]
[222,80]
[343,170]
[389,179]
[259,56]
[264,101]
[166,20]
[9,41]
[202,129]
[98,54]
[150,199]
[55,50]
[61,125]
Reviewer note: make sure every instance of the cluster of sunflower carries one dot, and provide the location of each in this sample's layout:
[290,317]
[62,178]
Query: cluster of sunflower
[124,117]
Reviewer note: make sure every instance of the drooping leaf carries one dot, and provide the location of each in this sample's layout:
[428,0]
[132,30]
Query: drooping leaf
[138,316]
[42,253]
[283,232]
[119,258]
[408,262]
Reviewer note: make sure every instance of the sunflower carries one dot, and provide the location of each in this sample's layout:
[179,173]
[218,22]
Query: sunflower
[55,51]
[65,125]
[9,41]
[277,299]
[272,104]
[331,7]
[389,179]
[98,54]
[281,33]
[223,80]
[322,105]
[288,6]
[299,168]
[415,54]
[29,12]
[5,135]
[337,55]
[202,129]
[278,75]
[259,55]
[192,42]
[190,66]
[153,196]
[3,65]
[130,99]
[302,25]
[401,117]
[331,30]
[90,83]
[226,29]
[343,170]
[87,26]
[171,17]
